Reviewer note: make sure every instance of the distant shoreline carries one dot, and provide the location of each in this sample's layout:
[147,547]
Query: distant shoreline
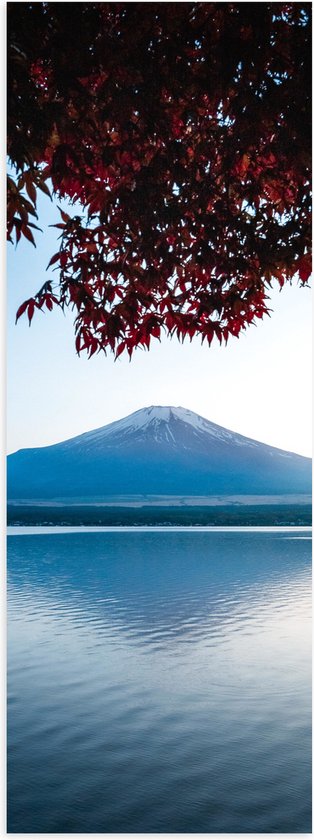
[286,514]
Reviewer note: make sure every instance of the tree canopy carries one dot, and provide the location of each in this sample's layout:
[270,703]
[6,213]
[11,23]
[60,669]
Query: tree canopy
[181,134]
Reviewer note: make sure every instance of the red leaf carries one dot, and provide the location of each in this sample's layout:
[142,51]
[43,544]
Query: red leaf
[63,259]
[31,191]
[21,310]
[170,321]
[305,268]
[54,259]
[94,347]
[43,187]
[120,348]
[28,234]
[218,332]
[30,310]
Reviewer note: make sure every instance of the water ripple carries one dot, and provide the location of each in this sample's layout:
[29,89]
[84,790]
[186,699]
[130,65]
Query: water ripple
[159,682]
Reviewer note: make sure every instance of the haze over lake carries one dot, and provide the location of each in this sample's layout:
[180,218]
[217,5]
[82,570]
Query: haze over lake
[159,681]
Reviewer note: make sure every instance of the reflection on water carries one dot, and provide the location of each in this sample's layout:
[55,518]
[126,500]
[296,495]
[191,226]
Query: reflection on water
[159,682]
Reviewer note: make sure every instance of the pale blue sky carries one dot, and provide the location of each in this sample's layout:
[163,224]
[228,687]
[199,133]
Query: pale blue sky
[259,385]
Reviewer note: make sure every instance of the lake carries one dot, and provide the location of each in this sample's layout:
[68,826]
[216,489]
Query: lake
[159,680]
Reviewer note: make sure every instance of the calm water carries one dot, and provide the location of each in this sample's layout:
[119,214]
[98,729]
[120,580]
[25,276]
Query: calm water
[159,682]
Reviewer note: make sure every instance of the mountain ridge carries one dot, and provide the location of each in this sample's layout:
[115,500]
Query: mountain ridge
[157,449]
[186,415]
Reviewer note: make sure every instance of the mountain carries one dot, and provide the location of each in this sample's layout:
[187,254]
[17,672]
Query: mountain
[160,450]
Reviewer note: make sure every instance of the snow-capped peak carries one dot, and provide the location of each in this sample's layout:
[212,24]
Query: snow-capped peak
[153,415]
[174,425]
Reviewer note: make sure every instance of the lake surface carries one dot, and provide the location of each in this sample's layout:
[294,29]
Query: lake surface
[159,681]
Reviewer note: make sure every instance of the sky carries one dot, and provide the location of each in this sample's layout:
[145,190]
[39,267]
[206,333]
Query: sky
[259,385]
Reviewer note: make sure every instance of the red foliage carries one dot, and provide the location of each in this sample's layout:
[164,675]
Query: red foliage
[181,131]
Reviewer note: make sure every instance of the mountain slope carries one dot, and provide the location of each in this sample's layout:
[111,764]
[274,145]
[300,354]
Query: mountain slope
[157,450]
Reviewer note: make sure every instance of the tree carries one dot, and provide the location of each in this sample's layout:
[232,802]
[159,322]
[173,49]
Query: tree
[181,133]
